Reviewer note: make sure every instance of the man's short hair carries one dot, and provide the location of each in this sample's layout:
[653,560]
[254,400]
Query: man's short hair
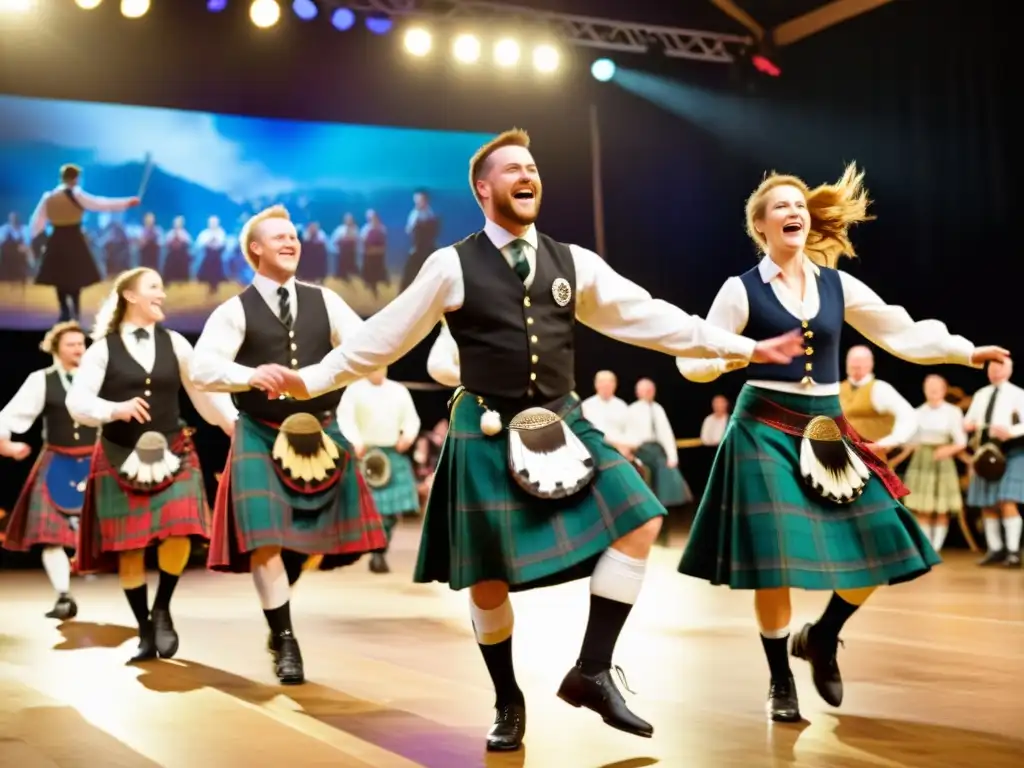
[245,237]
[516,137]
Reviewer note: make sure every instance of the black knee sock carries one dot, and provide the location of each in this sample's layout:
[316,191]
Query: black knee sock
[138,599]
[293,562]
[607,617]
[164,591]
[498,658]
[831,623]
[777,653]
[279,619]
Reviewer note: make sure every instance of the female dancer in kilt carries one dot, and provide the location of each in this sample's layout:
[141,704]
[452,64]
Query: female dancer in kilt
[291,496]
[506,514]
[795,499]
[932,477]
[46,513]
[145,486]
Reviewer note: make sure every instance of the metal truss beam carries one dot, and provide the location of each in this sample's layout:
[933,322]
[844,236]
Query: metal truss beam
[583,31]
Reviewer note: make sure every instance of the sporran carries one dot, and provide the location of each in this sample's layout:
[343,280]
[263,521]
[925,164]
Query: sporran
[828,465]
[545,457]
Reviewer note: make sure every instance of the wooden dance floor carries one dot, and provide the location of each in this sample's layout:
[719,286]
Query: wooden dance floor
[933,676]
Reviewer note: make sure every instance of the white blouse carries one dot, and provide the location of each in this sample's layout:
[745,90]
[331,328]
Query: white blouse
[940,425]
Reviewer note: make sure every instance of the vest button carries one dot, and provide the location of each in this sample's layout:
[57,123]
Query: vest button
[148,381]
[291,334]
[808,334]
[809,350]
[76,436]
[808,366]
[147,393]
[294,346]
[804,324]
[533,339]
[526,301]
[529,321]
[533,377]
[534,358]
[294,361]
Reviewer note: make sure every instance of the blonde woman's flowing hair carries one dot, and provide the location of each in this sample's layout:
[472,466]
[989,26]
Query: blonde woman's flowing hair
[834,208]
[51,341]
[111,314]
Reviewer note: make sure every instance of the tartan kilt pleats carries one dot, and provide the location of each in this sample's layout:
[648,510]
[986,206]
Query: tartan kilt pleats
[670,486]
[116,519]
[400,495]
[481,526]
[35,519]
[256,508]
[758,526]
[934,485]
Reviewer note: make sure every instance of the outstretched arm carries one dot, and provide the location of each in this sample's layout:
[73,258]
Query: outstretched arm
[885,399]
[25,407]
[393,331]
[730,311]
[213,367]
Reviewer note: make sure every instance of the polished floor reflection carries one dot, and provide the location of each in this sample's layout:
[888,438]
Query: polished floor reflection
[933,672]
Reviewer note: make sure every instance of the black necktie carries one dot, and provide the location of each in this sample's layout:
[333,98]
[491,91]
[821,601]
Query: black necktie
[140,333]
[71,378]
[989,410]
[284,307]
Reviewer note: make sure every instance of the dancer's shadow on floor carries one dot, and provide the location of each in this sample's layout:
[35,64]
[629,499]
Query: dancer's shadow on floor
[78,635]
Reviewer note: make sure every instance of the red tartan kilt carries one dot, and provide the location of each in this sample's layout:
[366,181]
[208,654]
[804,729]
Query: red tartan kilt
[226,553]
[95,554]
[35,521]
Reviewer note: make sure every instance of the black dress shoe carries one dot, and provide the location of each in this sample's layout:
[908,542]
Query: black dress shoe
[379,563]
[287,659]
[783,706]
[165,634]
[994,557]
[65,608]
[506,735]
[598,693]
[147,645]
[1012,560]
[821,655]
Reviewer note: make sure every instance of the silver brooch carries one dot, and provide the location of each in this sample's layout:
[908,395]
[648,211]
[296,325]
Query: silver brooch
[561,291]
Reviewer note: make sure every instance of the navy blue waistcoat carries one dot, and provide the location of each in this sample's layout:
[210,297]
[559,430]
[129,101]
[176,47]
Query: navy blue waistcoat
[822,332]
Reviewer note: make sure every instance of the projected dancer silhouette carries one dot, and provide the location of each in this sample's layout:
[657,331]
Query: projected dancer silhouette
[66,261]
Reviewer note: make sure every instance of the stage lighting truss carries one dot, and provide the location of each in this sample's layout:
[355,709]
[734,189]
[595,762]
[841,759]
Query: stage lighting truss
[584,31]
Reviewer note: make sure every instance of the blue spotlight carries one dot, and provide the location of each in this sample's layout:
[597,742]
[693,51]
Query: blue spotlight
[379,25]
[304,9]
[216,6]
[603,70]
[343,19]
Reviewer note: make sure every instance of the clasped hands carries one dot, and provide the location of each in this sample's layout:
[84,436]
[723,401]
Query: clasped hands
[277,380]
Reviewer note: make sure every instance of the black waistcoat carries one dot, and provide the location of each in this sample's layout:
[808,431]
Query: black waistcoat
[126,379]
[267,340]
[822,333]
[59,429]
[515,343]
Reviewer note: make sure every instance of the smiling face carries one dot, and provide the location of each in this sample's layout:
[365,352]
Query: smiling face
[145,298]
[70,349]
[276,247]
[510,187]
[785,221]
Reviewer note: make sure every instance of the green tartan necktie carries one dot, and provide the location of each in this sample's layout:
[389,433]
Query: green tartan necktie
[517,251]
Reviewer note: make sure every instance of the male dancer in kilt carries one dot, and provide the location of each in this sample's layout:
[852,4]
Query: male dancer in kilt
[290,488]
[377,413]
[145,486]
[46,513]
[796,498]
[512,297]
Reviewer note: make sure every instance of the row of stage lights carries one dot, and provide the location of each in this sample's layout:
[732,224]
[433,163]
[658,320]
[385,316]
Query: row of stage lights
[468,49]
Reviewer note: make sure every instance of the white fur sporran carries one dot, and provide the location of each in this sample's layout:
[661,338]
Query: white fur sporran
[829,465]
[151,462]
[545,457]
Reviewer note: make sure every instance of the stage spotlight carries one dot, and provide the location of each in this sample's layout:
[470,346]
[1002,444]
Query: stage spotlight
[304,9]
[506,53]
[343,19]
[418,41]
[545,58]
[466,49]
[603,70]
[379,25]
[134,9]
[88,5]
[264,13]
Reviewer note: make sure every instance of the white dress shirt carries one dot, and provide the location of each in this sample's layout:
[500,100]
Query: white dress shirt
[605,301]
[941,424]
[648,423]
[214,368]
[713,428]
[1010,403]
[87,407]
[885,399]
[443,360]
[28,403]
[927,342]
[611,416]
[87,201]
[377,415]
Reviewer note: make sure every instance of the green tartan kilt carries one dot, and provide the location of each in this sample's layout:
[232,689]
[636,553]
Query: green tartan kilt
[934,485]
[480,526]
[400,495]
[256,508]
[758,526]
[670,486]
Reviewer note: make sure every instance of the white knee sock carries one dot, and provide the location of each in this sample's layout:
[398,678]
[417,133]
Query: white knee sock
[618,577]
[1013,526]
[993,534]
[939,531]
[58,568]
[494,625]
[272,584]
